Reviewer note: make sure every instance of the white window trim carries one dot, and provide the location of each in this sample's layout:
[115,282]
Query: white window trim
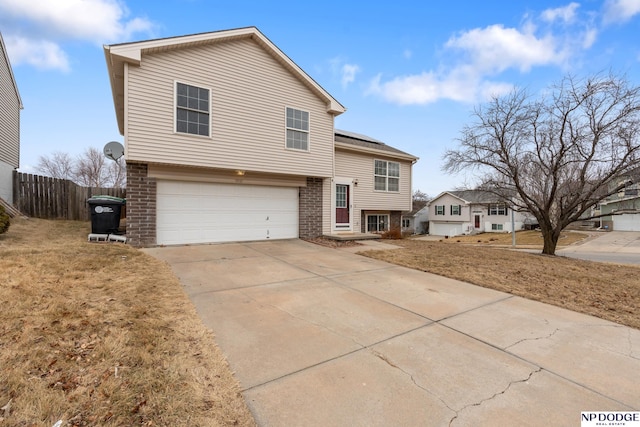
[175,109]
[341,181]
[436,210]
[386,190]
[286,128]
[378,231]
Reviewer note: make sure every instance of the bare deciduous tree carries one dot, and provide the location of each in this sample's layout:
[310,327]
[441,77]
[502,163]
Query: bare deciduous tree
[90,169]
[556,156]
[58,165]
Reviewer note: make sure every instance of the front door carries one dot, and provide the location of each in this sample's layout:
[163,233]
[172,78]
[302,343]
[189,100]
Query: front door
[342,205]
[477,221]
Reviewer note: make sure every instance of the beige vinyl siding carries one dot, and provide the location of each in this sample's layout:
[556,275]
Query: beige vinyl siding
[360,167]
[9,115]
[223,176]
[249,93]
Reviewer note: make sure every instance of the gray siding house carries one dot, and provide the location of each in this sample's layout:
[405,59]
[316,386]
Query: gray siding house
[10,106]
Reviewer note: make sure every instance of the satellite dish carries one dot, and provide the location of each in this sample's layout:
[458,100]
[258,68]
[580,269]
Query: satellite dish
[113,150]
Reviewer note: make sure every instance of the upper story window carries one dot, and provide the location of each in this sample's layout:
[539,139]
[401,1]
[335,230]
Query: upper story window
[456,210]
[439,209]
[297,129]
[497,209]
[387,176]
[192,109]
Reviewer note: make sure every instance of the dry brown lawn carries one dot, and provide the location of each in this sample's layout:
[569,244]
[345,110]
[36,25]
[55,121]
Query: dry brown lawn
[608,291]
[102,334]
[523,238]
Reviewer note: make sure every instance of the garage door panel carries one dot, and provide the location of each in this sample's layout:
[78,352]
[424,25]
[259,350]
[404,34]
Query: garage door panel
[444,229]
[207,213]
[626,222]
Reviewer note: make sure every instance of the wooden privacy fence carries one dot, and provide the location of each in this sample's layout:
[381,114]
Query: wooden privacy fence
[51,198]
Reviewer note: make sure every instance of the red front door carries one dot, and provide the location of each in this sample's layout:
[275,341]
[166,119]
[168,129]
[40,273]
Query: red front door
[477,221]
[342,205]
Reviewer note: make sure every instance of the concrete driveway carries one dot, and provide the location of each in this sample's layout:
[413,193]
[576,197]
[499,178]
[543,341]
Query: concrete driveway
[325,337]
[614,246]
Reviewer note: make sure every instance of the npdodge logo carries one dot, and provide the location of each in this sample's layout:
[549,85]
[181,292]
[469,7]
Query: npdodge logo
[626,419]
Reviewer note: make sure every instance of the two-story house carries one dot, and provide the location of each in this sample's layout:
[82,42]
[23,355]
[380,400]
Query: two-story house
[227,139]
[623,207]
[453,213]
[10,106]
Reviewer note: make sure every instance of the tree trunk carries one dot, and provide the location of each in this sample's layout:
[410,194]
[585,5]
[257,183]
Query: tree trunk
[550,241]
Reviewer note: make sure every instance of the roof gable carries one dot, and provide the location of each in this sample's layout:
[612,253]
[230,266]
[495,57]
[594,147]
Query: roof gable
[13,79]
[470,196]
[118,55]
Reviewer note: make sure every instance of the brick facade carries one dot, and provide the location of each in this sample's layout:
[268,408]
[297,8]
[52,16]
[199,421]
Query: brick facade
[310,209]
[141,206]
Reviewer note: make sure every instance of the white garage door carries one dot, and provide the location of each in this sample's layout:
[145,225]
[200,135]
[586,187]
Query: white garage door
[626,222]
[444,229]
[194,212]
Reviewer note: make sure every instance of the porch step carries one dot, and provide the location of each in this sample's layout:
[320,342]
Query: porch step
[352,236]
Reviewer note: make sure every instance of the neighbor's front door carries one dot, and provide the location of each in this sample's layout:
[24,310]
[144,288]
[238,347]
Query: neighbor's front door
[342,205]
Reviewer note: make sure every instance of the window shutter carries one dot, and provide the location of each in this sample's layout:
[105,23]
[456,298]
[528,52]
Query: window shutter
[489,210]
[459,209]
[451,210]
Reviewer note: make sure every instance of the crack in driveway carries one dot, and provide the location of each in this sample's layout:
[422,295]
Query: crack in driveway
[500,393]
[534,339]
[413,380]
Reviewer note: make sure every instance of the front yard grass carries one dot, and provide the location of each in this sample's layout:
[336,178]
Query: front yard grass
[103,334]
[608,291]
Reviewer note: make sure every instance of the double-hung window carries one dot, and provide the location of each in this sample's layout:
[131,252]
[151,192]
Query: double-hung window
[439,209]
[386,176]
[497,209]
[192,110]
[297,129]
[456,210]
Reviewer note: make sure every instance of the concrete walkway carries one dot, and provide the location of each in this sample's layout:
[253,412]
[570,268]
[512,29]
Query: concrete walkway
[325,337]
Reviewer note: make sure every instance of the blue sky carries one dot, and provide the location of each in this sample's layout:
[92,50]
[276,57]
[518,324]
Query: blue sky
[409,72]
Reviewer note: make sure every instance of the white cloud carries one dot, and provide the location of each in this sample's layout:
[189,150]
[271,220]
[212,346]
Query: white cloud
[478,55]
[344,71]
[462,85]
[96,20]
[618,11]
[565,14]
[38,28]
[589,38]
[495,48]
[41,54]
[349,74]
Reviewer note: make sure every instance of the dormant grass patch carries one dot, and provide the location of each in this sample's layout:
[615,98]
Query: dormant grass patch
[608,291]
[102,334]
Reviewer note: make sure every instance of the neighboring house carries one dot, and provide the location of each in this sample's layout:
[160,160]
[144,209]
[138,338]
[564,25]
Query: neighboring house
[625,205]
[227,139]
[454,213]
[10,106]
[416,221]
[627,214]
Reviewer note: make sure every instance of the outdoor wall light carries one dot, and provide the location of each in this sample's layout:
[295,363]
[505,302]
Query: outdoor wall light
[240,173]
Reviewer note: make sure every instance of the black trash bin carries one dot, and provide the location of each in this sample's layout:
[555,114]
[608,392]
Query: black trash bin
[105,214]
